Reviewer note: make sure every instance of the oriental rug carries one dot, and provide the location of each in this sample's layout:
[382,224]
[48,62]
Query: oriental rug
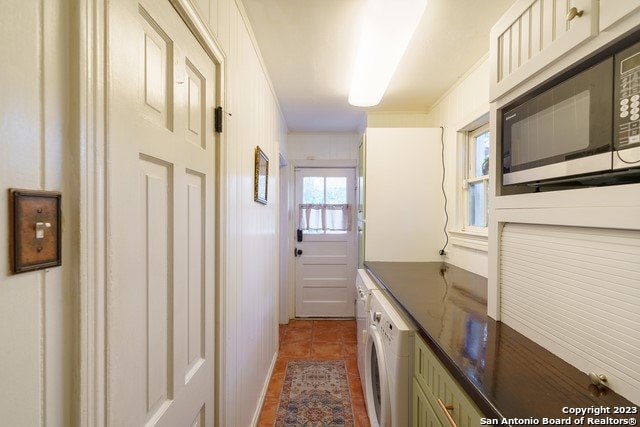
[315,393]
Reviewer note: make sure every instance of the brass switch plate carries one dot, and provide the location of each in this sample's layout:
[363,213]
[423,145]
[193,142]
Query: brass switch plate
[36,229]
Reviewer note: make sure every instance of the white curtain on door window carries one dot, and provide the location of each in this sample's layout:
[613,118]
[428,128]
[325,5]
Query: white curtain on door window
[325,217]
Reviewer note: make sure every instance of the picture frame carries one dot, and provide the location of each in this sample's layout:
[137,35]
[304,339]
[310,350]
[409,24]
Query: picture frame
[261,180]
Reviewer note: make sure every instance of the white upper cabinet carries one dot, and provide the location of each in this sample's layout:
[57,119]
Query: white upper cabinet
[535,33]
[612,11]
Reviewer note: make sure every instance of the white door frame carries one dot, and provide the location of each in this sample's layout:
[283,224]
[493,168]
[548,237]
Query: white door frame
[291,263]
[92,380]
[283,218]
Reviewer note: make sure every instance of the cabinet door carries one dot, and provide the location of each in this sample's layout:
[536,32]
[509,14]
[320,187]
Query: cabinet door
[535,33]
[423,413]
[612,11]
[437,383]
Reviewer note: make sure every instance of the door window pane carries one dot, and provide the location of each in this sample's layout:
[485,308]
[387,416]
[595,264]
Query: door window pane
[321,190]
[336,190]
[313,189]
[325,191]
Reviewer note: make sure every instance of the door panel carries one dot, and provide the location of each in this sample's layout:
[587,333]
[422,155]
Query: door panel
[326,268]
[155,188]
[161,231]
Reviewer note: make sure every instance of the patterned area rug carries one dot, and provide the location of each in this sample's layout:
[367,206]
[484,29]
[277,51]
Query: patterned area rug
[315,393]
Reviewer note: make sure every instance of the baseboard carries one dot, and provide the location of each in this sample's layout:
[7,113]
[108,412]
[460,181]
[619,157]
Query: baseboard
[263,394]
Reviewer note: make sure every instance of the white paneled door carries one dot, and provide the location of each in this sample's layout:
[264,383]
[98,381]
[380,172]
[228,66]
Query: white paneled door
[160,313]
[325,242]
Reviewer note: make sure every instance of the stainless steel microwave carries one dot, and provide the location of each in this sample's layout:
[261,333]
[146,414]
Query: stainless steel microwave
[584,124]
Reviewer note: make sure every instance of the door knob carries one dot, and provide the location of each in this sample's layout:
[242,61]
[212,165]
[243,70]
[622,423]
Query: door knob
[297,252]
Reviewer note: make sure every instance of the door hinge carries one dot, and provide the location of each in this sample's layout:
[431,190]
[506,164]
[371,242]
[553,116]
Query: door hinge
[218,120]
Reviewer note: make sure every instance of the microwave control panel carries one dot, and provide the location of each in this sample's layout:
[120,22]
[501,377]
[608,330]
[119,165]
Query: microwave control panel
[627,112]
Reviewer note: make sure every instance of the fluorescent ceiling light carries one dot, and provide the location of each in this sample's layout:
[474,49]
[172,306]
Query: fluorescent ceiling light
[387,29]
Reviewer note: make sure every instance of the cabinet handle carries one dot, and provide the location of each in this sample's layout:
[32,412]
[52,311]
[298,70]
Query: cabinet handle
[446,409]
[573,12]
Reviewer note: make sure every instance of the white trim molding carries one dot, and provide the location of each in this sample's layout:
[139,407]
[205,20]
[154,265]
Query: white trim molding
[466,239]
[90,385]
[212,47]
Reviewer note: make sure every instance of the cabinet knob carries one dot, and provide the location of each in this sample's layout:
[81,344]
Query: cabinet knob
[573,12]
[599,380]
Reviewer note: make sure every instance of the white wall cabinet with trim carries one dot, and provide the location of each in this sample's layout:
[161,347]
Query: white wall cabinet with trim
[437,397]
[534,34]
[599,211]
[403,215]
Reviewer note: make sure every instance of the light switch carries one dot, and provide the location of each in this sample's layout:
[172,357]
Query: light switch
[40,227]
[36,229]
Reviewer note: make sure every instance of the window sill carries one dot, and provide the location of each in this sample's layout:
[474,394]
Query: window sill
[467,239]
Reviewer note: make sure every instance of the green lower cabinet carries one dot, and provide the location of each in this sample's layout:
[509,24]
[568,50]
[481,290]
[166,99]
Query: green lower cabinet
[423,413]
[437,395]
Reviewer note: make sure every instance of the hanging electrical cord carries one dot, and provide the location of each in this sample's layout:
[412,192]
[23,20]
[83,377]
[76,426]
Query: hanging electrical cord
[444,193]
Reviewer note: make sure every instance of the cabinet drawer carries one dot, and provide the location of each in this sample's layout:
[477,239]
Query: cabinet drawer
[532,35]
[436,382]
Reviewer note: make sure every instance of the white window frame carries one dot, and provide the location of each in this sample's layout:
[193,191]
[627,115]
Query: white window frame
[470,178]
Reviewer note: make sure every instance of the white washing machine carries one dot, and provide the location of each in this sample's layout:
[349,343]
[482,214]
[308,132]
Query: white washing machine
[388,364]
[364,285]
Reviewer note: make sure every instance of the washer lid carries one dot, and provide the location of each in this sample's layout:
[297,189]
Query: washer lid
[363,279]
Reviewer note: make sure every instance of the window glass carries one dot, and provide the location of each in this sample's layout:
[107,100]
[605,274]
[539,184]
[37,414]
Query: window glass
[477,205]
[336,190]
[313,189]
[481,154]
[321,190]
[476,182]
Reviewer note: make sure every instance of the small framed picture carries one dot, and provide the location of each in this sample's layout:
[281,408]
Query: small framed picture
[261,182]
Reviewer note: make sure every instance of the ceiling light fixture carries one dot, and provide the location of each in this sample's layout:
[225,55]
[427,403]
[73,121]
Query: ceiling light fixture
[387,29]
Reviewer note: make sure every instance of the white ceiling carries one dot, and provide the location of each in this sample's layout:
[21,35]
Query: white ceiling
[308,47]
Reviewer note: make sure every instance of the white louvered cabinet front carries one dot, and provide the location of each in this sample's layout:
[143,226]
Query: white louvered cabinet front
[533,34]
[576,292]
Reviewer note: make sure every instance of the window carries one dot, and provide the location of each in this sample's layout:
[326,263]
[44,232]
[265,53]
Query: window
[476,181]
[324,207]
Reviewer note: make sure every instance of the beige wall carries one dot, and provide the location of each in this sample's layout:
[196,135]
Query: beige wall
[461,106]
[35,307]
[403,200]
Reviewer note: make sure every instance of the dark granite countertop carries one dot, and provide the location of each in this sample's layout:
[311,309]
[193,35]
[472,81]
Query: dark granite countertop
[505,373]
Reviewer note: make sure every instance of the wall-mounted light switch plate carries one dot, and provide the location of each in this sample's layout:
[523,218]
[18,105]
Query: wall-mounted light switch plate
[36,229]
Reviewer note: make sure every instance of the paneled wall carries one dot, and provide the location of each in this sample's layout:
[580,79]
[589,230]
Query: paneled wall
[248,294]
[323,146]
[458,110]
[35,147]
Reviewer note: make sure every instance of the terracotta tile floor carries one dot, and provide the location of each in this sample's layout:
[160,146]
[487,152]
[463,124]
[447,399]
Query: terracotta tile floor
[316,339]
